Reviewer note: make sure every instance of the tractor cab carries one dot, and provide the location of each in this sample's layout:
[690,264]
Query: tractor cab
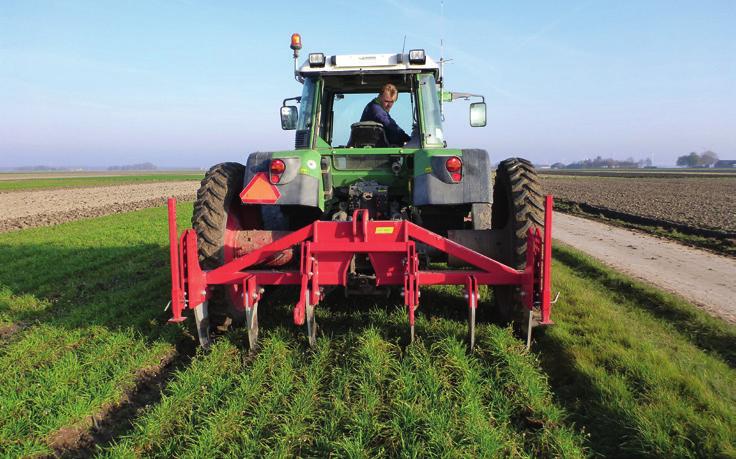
[337,89]
[361,166]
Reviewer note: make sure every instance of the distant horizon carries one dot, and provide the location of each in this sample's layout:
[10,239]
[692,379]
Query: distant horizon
[168,167]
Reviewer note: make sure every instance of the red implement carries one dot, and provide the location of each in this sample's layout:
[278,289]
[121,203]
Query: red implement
[326,249]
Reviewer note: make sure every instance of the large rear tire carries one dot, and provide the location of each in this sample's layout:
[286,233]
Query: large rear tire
[517,206]
[218,214]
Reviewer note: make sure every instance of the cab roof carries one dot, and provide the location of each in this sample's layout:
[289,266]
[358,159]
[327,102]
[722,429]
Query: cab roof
[352,64]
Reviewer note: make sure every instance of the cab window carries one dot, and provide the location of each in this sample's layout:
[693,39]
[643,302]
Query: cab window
[348,108]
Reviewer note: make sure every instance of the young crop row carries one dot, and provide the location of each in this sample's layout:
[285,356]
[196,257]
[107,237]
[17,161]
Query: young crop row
[626,370]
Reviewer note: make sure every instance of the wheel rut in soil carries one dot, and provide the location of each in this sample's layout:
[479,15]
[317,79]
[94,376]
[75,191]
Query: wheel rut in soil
[115,420]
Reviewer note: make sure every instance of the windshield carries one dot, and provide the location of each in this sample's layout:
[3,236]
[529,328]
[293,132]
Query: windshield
[433,135]
[305,107]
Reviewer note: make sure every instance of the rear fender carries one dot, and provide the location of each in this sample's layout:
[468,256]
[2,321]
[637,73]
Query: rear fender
[432,183]
[301,183]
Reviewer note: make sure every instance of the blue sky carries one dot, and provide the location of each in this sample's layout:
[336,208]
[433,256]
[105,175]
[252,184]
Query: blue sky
[190,83]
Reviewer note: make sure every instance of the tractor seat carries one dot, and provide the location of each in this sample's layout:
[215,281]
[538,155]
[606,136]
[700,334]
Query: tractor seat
[367,134]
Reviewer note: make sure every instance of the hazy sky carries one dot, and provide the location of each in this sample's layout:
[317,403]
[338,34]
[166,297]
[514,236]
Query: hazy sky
[190,83]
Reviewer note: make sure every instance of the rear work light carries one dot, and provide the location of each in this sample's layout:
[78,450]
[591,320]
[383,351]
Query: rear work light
[454,166]
[316,60]
[417,57]
[276,168]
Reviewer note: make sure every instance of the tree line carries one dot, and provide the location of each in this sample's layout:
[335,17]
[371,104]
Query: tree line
[606,163]
[705,159]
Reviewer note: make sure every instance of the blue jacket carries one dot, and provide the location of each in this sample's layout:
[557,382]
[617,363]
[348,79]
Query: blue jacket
[375,112]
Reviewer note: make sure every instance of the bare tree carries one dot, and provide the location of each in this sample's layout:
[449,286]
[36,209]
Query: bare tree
[708,158]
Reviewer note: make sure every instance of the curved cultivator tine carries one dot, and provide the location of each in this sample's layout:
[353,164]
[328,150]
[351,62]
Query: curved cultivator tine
[251,317]
[471,293]
[311,326]
[202,320]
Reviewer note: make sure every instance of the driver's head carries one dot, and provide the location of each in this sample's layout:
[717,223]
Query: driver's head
[388,96]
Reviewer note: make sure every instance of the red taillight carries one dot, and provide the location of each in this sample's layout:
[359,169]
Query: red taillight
[453,164]
[277,168]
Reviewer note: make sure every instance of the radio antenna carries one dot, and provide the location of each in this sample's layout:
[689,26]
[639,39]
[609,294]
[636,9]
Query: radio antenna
[442,35]
[442,43]
[442,55]
[403,47]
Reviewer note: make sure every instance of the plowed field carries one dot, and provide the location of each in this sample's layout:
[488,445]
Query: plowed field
[707,203]
[27,209]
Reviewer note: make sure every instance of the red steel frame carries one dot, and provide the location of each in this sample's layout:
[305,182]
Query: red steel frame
[326,249]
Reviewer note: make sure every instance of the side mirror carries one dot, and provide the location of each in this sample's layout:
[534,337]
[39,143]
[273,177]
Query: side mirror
[478,114]
[289,117]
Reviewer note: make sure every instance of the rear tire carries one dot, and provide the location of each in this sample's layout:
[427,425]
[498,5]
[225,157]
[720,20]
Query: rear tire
[218,213]
[517,206]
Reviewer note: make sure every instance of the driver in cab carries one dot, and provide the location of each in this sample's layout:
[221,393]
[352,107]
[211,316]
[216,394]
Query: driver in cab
[377,110]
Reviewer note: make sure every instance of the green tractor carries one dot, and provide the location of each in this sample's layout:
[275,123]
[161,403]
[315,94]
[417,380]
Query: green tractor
[347,208]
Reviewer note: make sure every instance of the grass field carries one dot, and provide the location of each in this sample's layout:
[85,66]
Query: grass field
[627,370]
[38,182]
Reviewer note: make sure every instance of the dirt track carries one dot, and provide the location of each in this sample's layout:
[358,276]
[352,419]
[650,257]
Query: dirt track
[26,209]
[702,277]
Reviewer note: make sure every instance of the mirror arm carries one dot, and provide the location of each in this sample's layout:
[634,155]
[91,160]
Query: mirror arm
[465,96]
[298,100]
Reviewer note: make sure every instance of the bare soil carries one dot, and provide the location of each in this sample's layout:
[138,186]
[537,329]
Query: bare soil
[7,331]
[26,209]
[703,278]
[81,174]
[707,203]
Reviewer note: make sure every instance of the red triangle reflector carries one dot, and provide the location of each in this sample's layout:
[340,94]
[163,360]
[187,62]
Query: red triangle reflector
[260,191]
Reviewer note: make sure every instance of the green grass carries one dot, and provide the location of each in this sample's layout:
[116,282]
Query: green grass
[91,296]
[645,372]
[627,371]
[76,182]
[359,394]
